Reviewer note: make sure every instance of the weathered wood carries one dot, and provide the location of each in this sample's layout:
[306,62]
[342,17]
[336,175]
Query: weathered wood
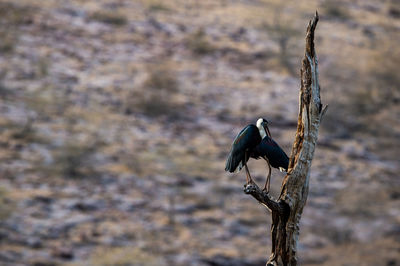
[265,199]
[287,210]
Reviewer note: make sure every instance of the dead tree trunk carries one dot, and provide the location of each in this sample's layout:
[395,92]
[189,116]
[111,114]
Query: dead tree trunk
[287,210]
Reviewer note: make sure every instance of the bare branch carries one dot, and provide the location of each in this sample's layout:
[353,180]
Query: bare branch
[265,199]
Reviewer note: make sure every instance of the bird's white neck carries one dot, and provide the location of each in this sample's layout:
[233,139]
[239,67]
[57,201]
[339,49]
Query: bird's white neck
[263,134]
[261,129]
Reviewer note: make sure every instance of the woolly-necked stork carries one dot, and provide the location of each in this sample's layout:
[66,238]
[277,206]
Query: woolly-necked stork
[255,141]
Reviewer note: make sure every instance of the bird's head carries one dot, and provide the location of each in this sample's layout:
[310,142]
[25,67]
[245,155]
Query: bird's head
[262,125]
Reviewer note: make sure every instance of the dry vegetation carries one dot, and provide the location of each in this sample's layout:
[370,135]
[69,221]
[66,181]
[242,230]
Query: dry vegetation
[6,205]
[156,96]
[198,43]
[109,17]
[117,117]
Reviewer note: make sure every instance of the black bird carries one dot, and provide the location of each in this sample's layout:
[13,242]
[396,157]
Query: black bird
[256,142]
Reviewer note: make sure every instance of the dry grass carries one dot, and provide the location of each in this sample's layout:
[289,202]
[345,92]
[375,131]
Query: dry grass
[73,160]
[4,91]
[365,80]
[198,43]
[109,17]
[382,251]
[6,205]
[11,16]
[335,10]
[393,8]
[125,256]
[48,102]
[383,65]
[157,6]
[378,85]
[285,35]
[8,41]
[156,96]
[21,133]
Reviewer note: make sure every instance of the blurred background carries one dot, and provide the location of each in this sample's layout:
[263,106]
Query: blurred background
[117,116]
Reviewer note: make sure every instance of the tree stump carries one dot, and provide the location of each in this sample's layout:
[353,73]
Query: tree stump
[287,210]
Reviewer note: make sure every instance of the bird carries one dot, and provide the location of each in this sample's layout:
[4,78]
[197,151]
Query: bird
[255,141]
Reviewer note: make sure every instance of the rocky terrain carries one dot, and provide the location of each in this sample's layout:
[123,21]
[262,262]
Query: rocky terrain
[117,117]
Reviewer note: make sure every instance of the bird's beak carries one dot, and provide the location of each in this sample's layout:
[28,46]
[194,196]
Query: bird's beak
[265,125]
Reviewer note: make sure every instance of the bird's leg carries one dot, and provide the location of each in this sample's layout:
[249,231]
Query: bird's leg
[249,180]
[267,182]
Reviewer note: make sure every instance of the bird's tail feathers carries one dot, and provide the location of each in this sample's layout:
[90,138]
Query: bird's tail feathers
[233,165]
[228,165]
[240,166]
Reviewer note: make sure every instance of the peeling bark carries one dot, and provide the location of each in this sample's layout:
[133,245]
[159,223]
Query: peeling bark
[287,209]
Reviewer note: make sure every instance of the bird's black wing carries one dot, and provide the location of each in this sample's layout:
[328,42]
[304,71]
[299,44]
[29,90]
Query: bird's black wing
[275,155]
[247,139]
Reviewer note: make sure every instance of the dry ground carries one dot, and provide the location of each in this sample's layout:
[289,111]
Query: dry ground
[117,117]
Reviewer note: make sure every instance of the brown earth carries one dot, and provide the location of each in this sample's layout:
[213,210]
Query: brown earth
[117,117]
